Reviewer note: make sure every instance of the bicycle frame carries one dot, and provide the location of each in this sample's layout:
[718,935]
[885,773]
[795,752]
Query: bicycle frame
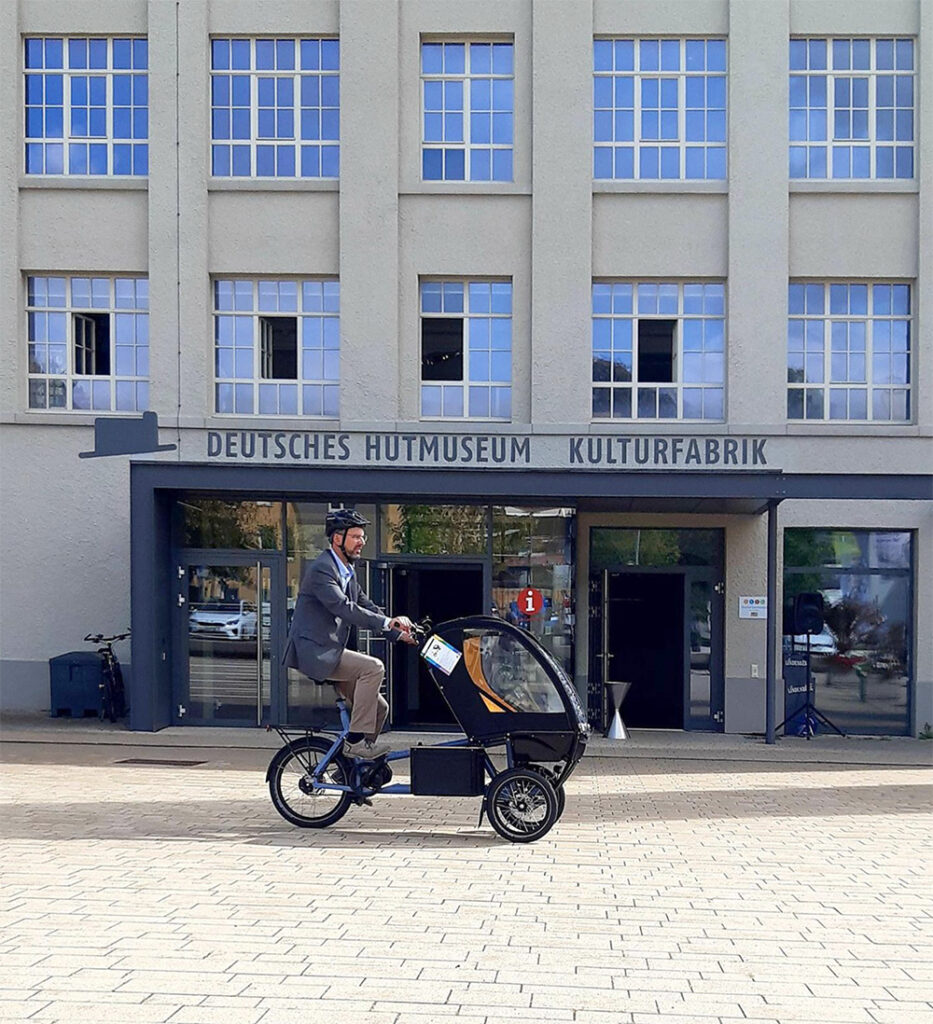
[359,789]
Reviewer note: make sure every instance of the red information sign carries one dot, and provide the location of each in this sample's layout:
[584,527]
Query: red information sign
[530,601]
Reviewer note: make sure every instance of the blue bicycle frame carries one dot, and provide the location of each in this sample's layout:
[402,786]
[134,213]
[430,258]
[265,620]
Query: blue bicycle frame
[359,789]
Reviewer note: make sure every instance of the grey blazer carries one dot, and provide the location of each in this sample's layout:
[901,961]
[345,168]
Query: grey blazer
[323,617]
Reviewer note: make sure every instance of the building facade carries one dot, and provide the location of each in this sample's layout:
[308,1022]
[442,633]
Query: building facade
[610,314]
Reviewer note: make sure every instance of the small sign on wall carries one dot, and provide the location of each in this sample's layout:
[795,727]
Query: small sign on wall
[753,607]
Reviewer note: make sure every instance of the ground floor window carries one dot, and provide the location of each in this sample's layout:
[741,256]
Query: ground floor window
[860,657]
[245,559]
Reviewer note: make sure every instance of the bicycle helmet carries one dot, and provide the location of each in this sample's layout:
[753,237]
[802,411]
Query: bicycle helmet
[339,520]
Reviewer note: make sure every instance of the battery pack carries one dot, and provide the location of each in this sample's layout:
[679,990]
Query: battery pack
[447,771]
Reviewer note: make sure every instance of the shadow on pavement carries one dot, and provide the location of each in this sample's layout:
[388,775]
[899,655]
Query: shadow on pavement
[397,821]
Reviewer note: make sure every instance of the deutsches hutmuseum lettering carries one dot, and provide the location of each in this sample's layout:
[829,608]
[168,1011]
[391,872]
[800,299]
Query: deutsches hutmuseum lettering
[609,451]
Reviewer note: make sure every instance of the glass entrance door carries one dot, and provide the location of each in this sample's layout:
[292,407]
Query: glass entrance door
[229,632]
[705,704]
[661,631]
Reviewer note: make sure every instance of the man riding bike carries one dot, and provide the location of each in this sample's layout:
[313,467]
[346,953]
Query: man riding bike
[330,603]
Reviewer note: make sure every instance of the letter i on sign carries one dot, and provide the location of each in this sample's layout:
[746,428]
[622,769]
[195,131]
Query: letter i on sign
[530,601]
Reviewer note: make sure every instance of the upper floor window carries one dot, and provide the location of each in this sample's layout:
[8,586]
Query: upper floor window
[87,106]
[277,347]
[88,343]
[848,351]
[467,102]
[466,349]
[851,108]
[658,350]
[275,108]
[659,108]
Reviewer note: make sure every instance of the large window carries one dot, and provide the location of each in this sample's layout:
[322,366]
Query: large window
[467,111]
[851,108]
[88,343]
[848,352]
[658,350]
[659,108]
[87,106]
[275,108]
[535,548]
[466,349]
[860,659]
[277,347]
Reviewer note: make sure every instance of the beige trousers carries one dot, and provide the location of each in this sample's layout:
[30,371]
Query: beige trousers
[359,678]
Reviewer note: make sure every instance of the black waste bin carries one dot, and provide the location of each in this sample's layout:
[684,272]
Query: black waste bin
[74,683]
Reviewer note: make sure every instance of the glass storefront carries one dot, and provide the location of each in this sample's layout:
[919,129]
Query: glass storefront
[504,549]
[243,562]
[860,660]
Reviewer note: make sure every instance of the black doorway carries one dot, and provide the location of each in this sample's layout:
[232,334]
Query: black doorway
[443,592]
[645,641]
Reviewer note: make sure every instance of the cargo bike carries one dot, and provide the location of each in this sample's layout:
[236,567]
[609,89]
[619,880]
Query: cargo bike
[505,691]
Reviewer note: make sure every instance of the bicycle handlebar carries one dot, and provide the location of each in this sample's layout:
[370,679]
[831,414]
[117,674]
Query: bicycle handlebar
[99,638]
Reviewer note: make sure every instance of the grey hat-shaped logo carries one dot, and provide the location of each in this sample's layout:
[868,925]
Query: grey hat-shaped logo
[117,435]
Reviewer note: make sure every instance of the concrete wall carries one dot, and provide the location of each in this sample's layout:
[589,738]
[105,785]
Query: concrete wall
[551,231]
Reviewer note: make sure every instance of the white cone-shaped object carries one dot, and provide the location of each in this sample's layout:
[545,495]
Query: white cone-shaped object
[617,730]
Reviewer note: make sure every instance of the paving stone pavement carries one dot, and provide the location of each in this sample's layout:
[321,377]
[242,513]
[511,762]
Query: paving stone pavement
[684,891]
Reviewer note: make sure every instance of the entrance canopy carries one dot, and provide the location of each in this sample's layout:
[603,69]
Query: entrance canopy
[734,491]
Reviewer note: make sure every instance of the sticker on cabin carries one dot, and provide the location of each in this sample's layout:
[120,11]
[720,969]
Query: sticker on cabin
[441,655]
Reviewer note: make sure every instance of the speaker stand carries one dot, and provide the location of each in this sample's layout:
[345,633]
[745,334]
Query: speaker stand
[811,714]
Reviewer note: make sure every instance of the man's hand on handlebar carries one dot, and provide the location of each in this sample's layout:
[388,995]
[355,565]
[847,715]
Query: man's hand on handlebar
[406,628]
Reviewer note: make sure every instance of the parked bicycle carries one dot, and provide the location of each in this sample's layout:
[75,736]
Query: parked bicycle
[112,694]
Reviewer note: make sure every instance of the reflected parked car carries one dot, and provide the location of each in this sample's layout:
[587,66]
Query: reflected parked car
[228,620]
[820,643]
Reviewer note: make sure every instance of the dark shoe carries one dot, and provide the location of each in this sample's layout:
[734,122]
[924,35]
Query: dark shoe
[366,750]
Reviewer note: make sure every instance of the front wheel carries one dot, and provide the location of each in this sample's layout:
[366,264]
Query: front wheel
[521,805]
[290,784]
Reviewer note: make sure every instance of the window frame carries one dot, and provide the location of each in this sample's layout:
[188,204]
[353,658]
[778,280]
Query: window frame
[255,141]
[466,381]
[810,149]
[69,143]
[638,144]
[73,312]
[633,385]
[828,385]
[467,79]
[329,386]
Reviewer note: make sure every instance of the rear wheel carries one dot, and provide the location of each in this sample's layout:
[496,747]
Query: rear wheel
[108,701]
[521,805]
[119,694]
[290,784]
[559,791]
[112,698]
